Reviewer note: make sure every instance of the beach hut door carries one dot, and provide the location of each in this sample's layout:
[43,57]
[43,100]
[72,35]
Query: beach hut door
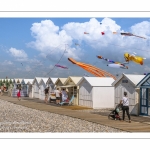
[144,101]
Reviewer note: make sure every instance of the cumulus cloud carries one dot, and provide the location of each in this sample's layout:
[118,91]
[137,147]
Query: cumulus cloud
[51,41]
[18,54]
[7,62]
[28,68]
[147,68]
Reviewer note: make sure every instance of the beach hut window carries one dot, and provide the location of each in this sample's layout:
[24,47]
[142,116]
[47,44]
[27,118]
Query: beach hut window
[124,81]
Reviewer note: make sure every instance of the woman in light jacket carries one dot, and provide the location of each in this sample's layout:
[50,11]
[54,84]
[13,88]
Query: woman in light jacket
[125,102]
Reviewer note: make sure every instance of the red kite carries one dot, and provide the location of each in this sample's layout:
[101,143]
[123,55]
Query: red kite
[102,33]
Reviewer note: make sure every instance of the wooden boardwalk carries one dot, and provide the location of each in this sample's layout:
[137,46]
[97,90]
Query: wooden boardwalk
[138,124]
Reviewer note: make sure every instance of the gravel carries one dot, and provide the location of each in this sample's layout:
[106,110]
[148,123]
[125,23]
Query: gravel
[16,118]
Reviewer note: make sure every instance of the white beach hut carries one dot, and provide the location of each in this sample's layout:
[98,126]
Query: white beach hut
[72,88]
[35,87]
[127,83]
[16,85]
[60,82]
[96,92]
[29,83]
[25,87]
[42,86]
[51,84]
[144,103]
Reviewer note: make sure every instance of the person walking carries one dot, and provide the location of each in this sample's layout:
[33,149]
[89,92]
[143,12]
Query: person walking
[19,94]
[57,92]
[125,102]
[46,94]
[0,92]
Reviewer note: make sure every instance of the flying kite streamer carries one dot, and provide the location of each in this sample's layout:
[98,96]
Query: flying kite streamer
[61,66]
[114,64]
[129,34]
[92,69]
[86,33]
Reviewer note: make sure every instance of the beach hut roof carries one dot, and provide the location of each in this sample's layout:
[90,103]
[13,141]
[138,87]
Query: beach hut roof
[27,81]
[52,79]
[133,78]
[74,79]
[18,80]
[98,81]
[44,80]
[37,79]
[62,80]
[144,80]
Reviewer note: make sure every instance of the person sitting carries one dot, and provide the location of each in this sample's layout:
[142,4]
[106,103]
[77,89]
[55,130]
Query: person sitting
[64,95]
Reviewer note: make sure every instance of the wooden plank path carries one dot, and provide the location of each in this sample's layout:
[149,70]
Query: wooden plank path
[134,126]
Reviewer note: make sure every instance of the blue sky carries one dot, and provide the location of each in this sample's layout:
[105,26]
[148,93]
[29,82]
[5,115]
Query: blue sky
[32,46]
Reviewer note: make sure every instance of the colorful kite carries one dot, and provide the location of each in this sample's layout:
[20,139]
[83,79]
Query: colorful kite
[92,69]
[61,66]
[132,57]
[129,34]
[86,33]
[114,64]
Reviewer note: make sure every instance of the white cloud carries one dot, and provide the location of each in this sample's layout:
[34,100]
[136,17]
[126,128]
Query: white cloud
[51,66]
[18,54]
[141,29]
[7,62]
[50,41]
[28,68]
[147,69]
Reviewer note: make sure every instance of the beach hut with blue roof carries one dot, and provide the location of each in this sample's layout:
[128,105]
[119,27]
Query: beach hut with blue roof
[144,86]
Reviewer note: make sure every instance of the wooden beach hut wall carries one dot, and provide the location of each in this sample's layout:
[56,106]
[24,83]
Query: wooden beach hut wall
[60,82]
[35,87]
[96,92]
[2,85]
[42,86]
[16,85]
[25,87]
[127,83]
[144,103]
[29,83]
[51,84]
[72,88]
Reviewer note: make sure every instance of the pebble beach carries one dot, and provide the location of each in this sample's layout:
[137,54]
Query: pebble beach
[16,118]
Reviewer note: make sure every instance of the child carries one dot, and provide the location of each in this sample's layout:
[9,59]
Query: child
[118,109]
[19,94]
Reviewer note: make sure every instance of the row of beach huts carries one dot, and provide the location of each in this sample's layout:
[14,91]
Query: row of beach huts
[93,92]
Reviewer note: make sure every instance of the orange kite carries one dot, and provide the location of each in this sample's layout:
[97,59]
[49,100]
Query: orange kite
[92,69]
